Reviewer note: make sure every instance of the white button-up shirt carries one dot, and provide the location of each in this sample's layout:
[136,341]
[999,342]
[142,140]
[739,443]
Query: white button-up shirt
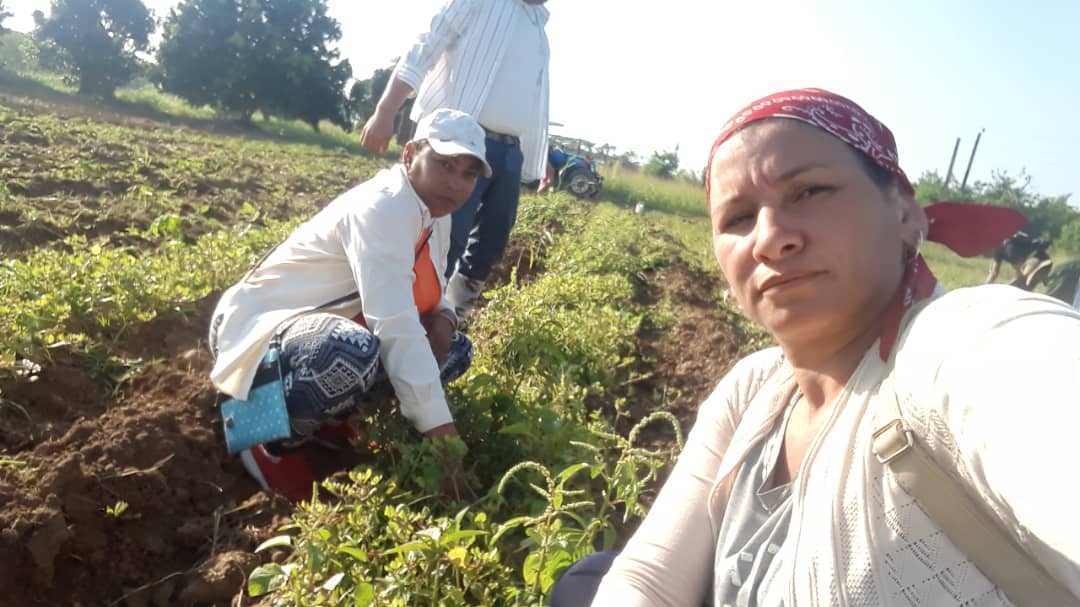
[355,256]
[458,63]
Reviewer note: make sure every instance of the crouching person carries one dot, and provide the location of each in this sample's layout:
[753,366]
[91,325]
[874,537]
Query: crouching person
[353,296]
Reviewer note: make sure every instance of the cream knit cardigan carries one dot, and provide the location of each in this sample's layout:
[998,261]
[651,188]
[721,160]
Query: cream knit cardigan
[989,379]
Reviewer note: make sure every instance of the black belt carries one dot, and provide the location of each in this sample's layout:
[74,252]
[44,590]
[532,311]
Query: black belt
[501,137]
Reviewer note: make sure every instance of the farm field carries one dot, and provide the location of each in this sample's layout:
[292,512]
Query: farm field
[119,232]
[120,227]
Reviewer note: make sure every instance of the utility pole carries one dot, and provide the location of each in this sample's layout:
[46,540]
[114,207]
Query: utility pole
[952,161]
[975,147]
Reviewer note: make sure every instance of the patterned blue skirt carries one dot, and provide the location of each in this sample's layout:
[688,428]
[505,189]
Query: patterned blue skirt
[330,363]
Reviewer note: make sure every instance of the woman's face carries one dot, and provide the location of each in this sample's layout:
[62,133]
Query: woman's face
[811,247]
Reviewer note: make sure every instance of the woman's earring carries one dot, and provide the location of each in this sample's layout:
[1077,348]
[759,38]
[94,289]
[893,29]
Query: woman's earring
[911,252]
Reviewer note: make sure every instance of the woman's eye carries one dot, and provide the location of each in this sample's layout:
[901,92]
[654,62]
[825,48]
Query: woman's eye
[811,191]
[737,220]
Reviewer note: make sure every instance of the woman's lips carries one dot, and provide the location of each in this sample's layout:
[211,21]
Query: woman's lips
[788,279]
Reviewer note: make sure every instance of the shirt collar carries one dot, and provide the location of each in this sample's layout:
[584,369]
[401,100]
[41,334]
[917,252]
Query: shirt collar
[407,188]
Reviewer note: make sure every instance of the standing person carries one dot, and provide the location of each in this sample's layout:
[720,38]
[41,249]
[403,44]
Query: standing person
[794,487]
[352,295]
[488,58]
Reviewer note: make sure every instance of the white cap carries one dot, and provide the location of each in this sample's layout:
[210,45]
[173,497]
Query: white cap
[453,133]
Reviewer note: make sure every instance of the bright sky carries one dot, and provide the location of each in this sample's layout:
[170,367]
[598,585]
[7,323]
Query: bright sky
[648,76]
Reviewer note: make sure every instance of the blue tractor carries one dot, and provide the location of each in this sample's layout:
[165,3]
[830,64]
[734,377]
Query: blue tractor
[575,174]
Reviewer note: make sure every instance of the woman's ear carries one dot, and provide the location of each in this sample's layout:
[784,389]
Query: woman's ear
[913,222]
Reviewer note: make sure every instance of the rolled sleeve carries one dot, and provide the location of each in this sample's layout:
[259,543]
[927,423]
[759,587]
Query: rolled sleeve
[378,242]
[446,27]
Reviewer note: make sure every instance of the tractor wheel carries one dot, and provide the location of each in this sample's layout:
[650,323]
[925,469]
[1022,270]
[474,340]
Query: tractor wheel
[579,184]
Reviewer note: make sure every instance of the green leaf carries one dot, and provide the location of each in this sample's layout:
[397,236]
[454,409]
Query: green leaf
[364,595]
[609,538]
[571,471]
[554,566]
[530,568]
[510,525]
[354,552]
[405,548]
[265,578]
[518,428]
[315,558]
[455,536]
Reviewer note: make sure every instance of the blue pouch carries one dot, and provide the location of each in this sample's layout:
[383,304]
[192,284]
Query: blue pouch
[263,417]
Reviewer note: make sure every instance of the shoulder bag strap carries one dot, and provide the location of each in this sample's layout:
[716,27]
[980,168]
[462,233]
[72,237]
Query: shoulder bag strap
[980,537]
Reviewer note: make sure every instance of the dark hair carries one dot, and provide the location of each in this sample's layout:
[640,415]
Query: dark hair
[882,177]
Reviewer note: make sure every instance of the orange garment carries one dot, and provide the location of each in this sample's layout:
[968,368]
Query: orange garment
[427,289]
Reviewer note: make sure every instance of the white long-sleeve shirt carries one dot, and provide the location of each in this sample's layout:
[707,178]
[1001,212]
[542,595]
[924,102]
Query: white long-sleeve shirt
[457,62]
[355,256]
[989,380]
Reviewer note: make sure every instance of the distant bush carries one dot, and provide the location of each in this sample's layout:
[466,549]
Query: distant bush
[18,53]
[1069,240]
[662,164]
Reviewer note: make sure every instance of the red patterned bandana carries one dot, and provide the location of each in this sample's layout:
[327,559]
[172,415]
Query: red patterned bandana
[967,229]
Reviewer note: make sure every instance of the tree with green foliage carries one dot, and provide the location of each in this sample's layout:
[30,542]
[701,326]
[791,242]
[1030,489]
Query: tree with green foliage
[304,78]
[272,56]
[1069,240]
[96,40]
[205,54]
[663,164]
[18,53]
[364,94]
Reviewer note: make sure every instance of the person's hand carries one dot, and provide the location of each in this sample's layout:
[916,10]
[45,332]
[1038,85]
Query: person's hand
[455,485]
[549,178]
[377,131]
[450,452]
[440,332]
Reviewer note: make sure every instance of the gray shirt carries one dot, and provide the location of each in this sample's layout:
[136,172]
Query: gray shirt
[749,550]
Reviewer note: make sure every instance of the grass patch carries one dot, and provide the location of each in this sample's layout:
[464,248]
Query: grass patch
[630,187]
[163,103]
[954,271]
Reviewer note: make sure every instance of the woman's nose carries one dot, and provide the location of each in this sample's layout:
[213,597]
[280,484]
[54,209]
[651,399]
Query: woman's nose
[775,235]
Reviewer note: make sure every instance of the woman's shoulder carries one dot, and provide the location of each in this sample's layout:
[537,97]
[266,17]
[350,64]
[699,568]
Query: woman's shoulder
[978,309]
[738,386]
[978,346]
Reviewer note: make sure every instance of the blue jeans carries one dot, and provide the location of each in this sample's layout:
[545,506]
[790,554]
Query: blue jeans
[481,227]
